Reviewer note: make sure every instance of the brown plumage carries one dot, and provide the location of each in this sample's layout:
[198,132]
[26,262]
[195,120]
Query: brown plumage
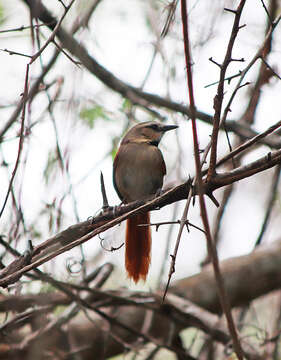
[138,172]
[138,247]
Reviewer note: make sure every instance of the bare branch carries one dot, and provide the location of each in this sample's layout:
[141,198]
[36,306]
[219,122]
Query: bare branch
[25,94]
[220,91]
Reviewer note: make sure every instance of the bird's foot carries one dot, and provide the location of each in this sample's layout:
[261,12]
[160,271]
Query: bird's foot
[106,209]
[116,208]
[159,192]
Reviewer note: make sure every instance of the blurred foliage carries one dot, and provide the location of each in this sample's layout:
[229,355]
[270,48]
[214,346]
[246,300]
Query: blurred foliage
[2,16]
[47,288]
[114,149]
[126,105]
[51,166]
[54,214]
[34,233]
[91,114]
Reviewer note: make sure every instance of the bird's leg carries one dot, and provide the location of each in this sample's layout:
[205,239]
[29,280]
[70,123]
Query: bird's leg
[159,192]
[116,207]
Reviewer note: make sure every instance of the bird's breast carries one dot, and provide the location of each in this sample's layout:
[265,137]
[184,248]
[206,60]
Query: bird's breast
[138,171]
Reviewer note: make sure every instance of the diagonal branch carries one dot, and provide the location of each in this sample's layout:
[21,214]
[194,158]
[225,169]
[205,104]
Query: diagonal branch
[82,232]
[220,91]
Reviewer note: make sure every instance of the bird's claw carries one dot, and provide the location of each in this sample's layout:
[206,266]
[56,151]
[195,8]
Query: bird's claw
[106,209]
[159,192]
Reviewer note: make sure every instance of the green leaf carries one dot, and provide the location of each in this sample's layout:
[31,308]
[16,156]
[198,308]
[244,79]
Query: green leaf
[113,153]
[2,17]
[114,148]
[51,166]
[126,105]
[89,115]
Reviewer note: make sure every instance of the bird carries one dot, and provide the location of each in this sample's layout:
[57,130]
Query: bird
[138,172]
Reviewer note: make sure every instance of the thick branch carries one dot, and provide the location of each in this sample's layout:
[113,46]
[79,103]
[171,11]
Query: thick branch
[242,172]
[78,234]
[263,269]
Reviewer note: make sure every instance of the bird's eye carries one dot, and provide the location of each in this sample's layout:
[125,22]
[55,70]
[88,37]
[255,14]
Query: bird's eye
[153,126]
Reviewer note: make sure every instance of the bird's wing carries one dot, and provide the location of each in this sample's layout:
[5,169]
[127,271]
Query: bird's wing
[115,164]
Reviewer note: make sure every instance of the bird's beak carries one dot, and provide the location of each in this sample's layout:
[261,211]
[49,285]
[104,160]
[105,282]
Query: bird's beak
[169,127]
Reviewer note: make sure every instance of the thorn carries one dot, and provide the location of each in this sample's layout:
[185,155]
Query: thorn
[193,201]
[239,60]
[104,197]
[230,10]
[241,26]
[213,61]
[214,200]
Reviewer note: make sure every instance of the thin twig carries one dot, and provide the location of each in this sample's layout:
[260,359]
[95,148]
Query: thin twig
[11,52]
[227,191]
[267,13]
[25,94]
[211,247]
[228,79]
[270,68]
[220,91]
[53,34]
[36,85]
[21,28]
[249,143]
[171,9]
[77,63]
[257,56]
[187,223]
[167,247]
[271,200]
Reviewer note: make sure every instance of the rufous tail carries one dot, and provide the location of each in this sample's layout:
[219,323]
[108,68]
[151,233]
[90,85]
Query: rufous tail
[138,247]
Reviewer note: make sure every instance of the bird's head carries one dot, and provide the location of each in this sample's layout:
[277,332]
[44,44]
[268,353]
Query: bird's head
[149,132]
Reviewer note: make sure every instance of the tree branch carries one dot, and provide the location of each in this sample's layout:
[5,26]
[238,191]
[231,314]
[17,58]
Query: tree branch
[134,94]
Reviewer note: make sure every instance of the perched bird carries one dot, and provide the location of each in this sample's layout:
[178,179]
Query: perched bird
[138,172]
